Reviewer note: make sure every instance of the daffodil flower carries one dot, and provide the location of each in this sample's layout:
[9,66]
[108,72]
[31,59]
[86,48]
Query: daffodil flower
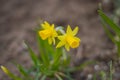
[48,32]
[69,40]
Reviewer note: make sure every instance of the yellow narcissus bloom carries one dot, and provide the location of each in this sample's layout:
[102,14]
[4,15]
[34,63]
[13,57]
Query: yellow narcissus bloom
[69,40]
[48,32]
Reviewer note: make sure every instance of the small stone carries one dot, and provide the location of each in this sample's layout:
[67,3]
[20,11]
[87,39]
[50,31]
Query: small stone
[90,76]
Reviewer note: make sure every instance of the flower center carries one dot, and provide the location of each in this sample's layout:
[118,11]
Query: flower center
[45,33]
[72,42]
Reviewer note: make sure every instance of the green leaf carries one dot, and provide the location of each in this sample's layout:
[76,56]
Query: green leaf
[38,74]
[81,66]
[66,58]
[32,55]
[106,19]
[103,75]
[94,77]
[43,51]
[14,76]
[111,71]
[111,36]
[22,70]
[118,48]
[66,75]
[114,27]
[57,58]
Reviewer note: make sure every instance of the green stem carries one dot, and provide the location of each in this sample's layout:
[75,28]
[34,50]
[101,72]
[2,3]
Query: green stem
[111,71]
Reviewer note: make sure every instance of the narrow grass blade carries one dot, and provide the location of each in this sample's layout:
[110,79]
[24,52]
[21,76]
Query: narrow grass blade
[106,19]
[32,55]
[118,48]
[22,70]
[111,36]
[66,75]
[111,71]
[37,76]
[58,77]
[66,58]
[57,58]
[94,77]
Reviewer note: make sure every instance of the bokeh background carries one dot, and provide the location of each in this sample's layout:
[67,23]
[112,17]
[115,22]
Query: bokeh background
[19,18]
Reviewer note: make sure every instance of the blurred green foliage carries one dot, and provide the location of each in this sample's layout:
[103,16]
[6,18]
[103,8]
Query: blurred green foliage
[106,21]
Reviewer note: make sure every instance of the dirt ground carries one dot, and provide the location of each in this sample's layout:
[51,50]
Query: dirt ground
[18,18]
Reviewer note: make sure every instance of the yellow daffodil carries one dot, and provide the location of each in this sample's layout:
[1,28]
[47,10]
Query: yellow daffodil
[69,40]
[48,32]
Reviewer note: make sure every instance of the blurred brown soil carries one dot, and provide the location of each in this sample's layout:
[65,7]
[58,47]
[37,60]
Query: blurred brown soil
[19,18]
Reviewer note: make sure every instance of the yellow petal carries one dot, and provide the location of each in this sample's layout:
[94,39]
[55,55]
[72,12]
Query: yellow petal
[77,38]
[45,25]
[52,26]
[60,44]
[69,30]
[67,47]
[50,40]
[53,39]
[61,37]
[75,31]
[55,34]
